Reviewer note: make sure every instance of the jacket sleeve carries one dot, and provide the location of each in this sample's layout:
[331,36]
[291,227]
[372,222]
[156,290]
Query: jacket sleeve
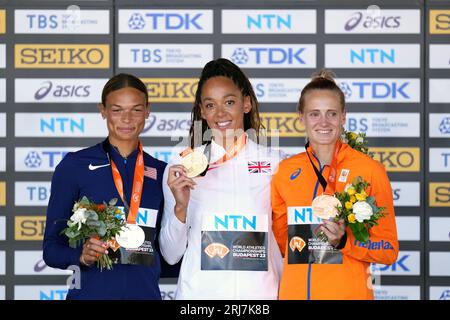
[173,236]
[64,193]
[279,215]
[382,247]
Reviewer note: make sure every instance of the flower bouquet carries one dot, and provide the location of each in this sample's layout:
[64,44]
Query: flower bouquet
[357,141]
[89,219]
[358,210]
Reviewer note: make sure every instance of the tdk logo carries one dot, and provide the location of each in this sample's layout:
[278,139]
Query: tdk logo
[401,265]
[372,55]
[165,21]
[269,21]
[408,263]
[62,125]
[444,126]
[268,55]
[52,158]
[61,91]
[375,90]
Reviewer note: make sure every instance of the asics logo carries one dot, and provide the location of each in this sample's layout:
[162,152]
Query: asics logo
[92,167]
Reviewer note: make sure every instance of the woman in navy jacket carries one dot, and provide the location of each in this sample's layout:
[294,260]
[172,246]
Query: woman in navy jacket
[88,172]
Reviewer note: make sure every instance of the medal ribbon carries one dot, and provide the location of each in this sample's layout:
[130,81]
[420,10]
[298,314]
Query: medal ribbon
[237,146]
[138,182]
[329,186]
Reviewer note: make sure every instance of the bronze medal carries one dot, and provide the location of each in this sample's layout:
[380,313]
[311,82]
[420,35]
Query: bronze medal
[324,206]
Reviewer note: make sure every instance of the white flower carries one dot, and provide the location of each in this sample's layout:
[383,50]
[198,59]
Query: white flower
[359,140]
[362,210]
[347,186]
[79,217]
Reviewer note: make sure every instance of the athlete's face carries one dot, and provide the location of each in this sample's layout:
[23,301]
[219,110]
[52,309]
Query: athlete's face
[125,113]
[223,107]
[323,117]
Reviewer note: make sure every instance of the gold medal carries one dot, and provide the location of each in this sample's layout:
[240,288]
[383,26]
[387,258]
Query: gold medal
[324,206]
[195,162]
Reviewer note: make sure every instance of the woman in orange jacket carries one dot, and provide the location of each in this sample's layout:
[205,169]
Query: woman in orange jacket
[339,268]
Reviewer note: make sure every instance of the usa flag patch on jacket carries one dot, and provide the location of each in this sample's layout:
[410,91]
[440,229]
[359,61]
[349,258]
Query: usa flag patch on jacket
[150,172]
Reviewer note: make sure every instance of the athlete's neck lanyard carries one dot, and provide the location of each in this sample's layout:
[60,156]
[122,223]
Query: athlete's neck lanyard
[231,152]
[138,182]
[237,146]
[329,186]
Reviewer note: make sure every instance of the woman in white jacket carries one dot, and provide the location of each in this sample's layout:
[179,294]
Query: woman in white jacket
[219,222]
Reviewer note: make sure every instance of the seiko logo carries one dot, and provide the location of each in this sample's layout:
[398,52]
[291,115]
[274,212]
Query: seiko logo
[61,56]
[372,21]
[287,124]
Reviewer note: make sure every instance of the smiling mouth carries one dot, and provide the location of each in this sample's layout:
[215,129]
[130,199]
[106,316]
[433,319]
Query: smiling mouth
[223,124]
[323,131]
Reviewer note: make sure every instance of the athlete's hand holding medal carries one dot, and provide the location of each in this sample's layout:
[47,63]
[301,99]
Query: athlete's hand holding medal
[180,180]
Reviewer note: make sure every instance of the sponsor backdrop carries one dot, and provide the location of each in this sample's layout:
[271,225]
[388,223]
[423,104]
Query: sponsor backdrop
[391,60]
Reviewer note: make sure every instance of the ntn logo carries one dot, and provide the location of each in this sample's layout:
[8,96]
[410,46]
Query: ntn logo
[372,55]
[269,21]
[234,221]
[62,124]
[305,215]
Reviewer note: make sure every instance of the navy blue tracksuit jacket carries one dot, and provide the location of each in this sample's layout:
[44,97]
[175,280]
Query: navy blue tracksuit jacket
[87,173]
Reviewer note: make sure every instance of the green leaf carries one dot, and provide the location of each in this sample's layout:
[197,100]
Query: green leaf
[91,215]
[113,202]
[360,232]
[93,223]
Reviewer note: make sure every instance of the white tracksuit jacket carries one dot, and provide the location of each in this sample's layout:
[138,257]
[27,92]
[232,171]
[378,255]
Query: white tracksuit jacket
[228,188]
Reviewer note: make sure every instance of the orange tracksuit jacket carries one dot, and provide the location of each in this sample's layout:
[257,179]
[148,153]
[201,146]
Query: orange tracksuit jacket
[296,184]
